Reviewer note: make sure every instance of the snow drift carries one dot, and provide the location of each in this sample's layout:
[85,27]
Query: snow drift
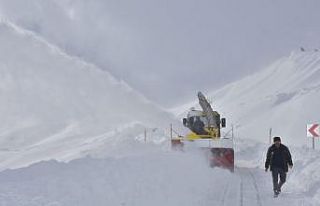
[154,178]
[56,106]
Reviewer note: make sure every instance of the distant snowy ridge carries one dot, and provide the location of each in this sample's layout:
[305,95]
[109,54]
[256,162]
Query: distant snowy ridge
[50,103]
[284,96]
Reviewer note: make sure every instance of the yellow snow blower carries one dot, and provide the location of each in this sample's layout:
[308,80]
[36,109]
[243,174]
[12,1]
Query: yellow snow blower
[205,133]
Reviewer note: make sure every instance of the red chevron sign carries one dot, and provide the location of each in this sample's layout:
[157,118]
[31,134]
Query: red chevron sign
[313,130]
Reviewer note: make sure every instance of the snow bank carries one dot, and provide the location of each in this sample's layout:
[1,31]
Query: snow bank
[54,106]
[149,178]
[145,174]
[305,177]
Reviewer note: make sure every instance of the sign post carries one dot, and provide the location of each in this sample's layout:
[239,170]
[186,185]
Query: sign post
[145,135]
[270,135]
[313,130]
[313,143]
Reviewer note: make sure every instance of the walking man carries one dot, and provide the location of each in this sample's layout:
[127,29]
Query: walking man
[278,159]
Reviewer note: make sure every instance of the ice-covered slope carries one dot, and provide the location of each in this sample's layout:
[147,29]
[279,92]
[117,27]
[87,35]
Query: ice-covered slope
[56,106]
[285,96]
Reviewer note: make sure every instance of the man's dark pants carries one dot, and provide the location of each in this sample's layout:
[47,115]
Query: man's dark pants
[276,172]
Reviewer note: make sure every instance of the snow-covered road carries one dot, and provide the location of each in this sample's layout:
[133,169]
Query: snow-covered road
[256,189]
[253,187]
[134,181]
[144,175]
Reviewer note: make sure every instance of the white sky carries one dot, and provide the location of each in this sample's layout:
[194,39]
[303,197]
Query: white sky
[170,49]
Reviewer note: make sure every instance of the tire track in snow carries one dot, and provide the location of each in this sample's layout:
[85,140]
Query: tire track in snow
[241,193]
[248,189]
[225,192]
[264,186]
[256,188]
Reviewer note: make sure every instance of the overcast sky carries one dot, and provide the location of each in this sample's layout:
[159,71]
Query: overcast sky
[170,49]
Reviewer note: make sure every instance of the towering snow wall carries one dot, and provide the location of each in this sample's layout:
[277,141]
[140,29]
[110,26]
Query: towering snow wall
[56,106]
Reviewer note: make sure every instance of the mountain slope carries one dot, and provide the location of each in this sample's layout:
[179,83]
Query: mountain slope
[284,96]
[56,106]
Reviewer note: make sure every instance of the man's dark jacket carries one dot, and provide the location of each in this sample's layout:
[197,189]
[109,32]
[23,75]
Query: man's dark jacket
[278,157]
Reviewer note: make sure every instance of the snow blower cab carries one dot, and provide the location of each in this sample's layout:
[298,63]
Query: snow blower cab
[205,126]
